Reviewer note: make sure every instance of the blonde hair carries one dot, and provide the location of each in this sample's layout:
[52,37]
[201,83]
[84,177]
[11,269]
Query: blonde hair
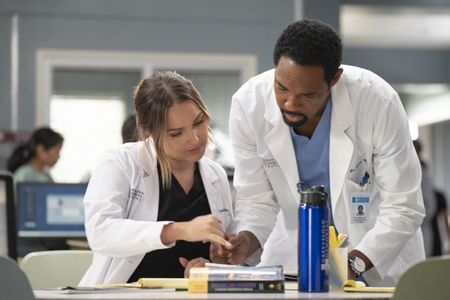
[152,98]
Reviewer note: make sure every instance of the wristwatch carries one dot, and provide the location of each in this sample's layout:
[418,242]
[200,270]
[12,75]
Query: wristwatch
[357,265]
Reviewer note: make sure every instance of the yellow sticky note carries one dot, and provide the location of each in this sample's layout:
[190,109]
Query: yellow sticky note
[360,287]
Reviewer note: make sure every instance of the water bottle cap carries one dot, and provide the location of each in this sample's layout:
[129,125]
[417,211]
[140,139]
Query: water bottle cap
[318,188]
[311,197]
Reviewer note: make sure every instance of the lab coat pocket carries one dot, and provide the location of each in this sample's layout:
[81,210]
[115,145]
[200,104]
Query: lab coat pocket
[358,168]
[351,187]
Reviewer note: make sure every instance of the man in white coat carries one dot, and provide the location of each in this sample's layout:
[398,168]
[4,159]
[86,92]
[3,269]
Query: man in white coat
[314,120]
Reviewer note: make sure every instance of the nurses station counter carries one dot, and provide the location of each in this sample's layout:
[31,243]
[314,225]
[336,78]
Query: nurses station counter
[169,295]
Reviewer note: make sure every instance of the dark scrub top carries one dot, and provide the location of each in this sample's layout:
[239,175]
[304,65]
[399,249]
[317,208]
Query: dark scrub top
[175,205]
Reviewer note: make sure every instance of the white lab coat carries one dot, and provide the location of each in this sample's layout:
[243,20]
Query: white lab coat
[121,208]
[367,122]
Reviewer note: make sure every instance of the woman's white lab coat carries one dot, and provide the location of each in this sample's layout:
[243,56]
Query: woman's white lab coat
[369,132]
[121,209]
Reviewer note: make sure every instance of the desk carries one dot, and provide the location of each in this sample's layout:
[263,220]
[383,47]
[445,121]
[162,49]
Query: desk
[337,294]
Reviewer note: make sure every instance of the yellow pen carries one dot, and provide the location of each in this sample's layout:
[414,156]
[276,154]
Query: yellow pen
[332,237]
[340,238]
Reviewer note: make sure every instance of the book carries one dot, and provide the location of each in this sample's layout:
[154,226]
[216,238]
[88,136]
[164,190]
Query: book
[238,279]
[216,278]
[241,286]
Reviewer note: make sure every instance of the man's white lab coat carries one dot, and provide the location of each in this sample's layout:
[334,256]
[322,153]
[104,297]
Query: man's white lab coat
[369,132]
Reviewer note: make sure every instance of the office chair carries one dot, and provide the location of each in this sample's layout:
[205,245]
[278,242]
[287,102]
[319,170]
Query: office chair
[61,267]
[14,284]
[428,279]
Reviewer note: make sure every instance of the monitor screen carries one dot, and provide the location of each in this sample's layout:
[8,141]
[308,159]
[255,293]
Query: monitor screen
[50,209]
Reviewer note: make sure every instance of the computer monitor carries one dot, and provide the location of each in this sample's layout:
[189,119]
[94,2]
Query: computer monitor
[50,209]
[8,236]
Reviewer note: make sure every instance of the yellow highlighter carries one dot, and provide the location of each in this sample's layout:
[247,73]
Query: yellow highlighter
[332,237]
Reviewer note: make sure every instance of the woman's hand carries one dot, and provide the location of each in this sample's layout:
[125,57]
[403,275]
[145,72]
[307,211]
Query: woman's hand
[198,262]
[202,228]
[219,254]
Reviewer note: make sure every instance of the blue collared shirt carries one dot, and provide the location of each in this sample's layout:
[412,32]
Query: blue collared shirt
[313,154]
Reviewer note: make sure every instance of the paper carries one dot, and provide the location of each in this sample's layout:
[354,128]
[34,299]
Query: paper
[291,276]
[152,283]
[100,290]
[175,283]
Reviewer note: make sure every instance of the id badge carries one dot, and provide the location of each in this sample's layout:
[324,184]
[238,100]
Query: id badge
[360,207]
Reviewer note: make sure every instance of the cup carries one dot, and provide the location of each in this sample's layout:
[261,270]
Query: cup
[337,266]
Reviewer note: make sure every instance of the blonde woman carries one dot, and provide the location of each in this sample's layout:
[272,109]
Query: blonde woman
[151,205]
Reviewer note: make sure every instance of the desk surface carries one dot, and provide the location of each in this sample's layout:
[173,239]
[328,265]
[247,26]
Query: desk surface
[44,295]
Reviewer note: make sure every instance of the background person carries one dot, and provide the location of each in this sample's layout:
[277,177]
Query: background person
[429,200]
[130,132]
[440,240]
[314,120]
[31,161]
[150,205]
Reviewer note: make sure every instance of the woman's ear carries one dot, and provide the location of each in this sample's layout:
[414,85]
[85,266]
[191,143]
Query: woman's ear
[40,150]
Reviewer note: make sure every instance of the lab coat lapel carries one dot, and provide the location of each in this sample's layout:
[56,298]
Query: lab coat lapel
[148,163]
[341,146]
[210,178]
[279,142]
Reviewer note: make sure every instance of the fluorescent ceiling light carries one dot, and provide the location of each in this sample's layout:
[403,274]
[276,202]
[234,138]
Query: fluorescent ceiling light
[429,110]
[401,27]
[418,89]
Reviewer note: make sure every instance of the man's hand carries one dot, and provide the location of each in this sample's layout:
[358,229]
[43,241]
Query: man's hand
[244,244]
[367,261]
[193,263]
[351,274]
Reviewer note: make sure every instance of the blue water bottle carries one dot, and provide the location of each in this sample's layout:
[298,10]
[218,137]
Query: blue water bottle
[313,245]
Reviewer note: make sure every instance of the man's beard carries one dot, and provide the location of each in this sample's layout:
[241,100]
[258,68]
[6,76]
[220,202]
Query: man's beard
[299,123]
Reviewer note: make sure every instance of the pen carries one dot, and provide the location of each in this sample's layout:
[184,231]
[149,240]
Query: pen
[342,241]
[365,179]
[332,237]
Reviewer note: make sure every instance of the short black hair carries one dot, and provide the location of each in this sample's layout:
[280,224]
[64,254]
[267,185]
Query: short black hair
[310,43]
[129,131]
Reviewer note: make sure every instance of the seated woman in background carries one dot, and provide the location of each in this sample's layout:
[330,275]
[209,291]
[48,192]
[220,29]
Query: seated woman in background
[30,161]
[151,205]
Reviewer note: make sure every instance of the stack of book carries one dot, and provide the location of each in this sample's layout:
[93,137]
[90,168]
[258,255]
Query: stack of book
[236,279]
